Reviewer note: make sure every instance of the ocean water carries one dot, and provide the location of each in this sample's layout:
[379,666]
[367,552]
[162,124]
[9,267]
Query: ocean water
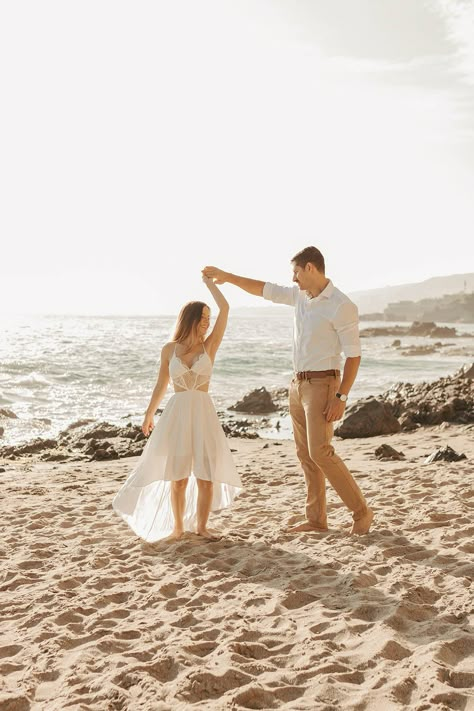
[55,370]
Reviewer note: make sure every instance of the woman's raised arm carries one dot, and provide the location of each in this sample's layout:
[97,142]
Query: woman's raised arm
[214,339]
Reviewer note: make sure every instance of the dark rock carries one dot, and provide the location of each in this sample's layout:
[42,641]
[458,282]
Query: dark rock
[33,447]
[2,430]
[419,350]
[447,454]
[367,418]
[103,454]
[103,430]
[256,402]
[385,451]
[443,332]
[2,470]
[384,331]
[55,456]
[5,412]
[396,343]
[407,422]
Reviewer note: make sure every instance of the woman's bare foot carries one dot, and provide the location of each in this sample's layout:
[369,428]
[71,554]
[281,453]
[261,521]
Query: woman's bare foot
[210,534]
[175,536]
[306,526]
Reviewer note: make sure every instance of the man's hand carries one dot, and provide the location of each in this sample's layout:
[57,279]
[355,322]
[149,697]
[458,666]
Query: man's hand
[334,409]
[217,275]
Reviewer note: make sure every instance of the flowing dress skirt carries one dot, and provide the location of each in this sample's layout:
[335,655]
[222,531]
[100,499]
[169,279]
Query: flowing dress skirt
[187,439]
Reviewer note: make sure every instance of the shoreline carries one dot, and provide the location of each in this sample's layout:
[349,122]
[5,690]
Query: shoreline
[403,407]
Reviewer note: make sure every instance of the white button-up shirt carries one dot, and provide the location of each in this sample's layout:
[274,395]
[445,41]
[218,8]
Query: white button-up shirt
[324,326]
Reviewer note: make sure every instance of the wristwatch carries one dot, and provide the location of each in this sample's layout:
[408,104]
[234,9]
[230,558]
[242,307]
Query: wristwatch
[341,397]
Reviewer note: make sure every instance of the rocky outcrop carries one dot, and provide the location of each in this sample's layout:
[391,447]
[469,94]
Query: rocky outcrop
[448,399]
[368,418]
[80,442]
[418,328]
[257,402]
[103,441]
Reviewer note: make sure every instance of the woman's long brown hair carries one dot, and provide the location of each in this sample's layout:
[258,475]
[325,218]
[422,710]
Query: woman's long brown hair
[188,320]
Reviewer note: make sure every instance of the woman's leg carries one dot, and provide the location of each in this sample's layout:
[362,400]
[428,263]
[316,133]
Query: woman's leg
[178,504]
[204,502]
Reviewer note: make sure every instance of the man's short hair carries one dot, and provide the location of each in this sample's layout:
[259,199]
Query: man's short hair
[310,254]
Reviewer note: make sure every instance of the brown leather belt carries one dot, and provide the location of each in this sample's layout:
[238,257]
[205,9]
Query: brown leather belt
[309,374]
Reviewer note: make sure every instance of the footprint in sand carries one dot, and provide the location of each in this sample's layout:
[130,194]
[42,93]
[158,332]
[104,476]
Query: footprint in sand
[454,652]
[30,564]
[10,650]
[455,679]
[66,618]
[394,651]
[202,685]
[403,690]
[201,649]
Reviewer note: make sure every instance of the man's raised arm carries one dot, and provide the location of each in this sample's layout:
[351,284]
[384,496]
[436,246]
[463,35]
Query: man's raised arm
[252,286]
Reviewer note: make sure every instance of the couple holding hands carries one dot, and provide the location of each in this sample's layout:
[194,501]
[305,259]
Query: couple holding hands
[160,499]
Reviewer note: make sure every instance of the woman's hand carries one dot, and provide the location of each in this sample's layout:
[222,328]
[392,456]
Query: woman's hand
[148,425]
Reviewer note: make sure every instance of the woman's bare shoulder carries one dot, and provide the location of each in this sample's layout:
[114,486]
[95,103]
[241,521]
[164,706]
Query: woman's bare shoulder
[168,348]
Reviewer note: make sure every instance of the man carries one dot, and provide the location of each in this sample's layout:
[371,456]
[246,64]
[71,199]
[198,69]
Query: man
[326,323]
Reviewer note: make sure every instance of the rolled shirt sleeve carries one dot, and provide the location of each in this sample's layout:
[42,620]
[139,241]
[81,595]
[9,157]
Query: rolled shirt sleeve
[346,323]
[280,294]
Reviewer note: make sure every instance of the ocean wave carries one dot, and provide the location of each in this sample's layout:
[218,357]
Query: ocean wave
[33,380]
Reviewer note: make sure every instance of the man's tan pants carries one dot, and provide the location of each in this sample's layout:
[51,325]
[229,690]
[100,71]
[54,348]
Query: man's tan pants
[313,434]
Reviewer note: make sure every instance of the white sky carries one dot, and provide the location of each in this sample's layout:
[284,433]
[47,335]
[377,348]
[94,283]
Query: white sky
[140,141]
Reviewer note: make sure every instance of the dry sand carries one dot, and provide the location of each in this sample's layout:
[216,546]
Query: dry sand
[94,618]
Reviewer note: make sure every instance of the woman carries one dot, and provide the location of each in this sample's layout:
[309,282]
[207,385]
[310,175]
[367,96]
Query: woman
[160,499]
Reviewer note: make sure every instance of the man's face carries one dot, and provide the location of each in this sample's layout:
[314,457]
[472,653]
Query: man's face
[300,277]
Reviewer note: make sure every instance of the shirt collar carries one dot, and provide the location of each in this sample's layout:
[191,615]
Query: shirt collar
[325,294]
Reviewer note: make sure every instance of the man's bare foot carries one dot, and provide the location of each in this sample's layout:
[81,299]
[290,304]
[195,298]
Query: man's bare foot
[175,536]
[306,526]
[210,534]
[363,524]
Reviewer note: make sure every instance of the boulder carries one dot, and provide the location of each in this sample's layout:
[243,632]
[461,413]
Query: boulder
[447,454]
[256,402]
[385,451]
[5,412]
[368,418]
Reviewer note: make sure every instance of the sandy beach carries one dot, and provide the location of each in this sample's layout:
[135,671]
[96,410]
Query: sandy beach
[93,618]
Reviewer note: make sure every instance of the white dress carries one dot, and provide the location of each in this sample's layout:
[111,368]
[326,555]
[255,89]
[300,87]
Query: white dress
[187,439]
